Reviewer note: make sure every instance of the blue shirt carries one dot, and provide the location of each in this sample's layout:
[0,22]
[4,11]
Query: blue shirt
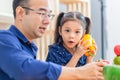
[60,55]
[17,59]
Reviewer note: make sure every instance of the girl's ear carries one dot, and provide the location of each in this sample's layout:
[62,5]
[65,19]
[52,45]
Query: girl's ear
[84,32]
[59,30]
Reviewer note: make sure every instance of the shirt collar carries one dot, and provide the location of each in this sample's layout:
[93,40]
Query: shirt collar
[18,34]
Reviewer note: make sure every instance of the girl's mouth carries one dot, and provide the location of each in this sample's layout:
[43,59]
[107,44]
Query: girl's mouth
[71,42]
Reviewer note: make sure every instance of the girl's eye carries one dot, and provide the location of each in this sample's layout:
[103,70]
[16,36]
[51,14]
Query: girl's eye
[67,30]
[77,31]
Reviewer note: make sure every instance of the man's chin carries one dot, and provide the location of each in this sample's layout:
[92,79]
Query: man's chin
[41,35]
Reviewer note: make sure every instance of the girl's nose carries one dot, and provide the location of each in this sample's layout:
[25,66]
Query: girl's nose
[72,35]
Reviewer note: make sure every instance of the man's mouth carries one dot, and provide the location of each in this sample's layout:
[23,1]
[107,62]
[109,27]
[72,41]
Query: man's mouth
[42,29]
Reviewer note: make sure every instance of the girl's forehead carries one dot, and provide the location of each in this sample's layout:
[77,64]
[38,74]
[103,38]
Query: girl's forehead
[72,24]
[72,19]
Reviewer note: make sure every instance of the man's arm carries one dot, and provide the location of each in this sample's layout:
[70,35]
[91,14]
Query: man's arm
[20,65]
[91,71]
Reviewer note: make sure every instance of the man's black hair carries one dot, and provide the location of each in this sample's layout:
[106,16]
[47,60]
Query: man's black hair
[17,3]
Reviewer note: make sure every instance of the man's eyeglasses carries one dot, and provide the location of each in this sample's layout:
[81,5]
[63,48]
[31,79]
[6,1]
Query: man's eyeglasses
[42,14]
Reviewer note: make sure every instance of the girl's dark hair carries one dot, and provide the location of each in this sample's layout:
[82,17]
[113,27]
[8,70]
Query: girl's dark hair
[17,3]
[70,16]
[88,25]
[57,37]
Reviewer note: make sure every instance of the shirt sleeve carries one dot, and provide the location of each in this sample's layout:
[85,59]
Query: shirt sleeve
[20,65]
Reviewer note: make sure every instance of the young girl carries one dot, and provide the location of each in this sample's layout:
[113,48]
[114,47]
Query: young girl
[67,50]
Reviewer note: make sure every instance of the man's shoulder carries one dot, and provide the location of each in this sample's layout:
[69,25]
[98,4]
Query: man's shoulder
[6,34]
[7,37]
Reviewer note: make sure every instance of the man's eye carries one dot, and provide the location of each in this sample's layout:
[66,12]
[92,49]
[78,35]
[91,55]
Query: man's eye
[41,13]
[49,15]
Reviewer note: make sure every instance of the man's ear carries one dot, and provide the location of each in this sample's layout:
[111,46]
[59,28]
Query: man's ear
[20,12]
[59,30]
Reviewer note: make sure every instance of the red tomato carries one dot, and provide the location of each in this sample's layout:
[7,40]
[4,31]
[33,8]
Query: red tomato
[117,50]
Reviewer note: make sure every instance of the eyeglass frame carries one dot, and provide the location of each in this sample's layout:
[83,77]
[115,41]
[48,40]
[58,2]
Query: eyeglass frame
[43,15]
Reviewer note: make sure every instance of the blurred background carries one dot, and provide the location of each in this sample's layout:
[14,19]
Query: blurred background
[104,14]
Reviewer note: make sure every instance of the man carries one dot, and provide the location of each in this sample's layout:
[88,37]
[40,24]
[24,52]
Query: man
[18,52]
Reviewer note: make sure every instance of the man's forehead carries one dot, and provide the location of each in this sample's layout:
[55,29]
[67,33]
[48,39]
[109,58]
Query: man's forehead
[45,9]
[44,5]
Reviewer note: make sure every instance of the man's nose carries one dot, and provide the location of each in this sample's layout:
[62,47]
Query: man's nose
[46,21]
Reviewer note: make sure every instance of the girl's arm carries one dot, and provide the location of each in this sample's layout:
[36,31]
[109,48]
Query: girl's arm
[79,52]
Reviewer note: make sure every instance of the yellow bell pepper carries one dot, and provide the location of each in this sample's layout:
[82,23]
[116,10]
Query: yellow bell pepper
[91,43]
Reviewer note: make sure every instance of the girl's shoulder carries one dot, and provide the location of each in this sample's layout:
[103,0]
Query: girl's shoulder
[55,46]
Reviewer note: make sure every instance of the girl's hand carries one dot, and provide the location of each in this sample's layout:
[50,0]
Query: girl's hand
[92,49]
[90,58]
[81,48]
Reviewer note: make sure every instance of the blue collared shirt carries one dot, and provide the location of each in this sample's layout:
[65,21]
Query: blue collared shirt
[60,55]
[17,59]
